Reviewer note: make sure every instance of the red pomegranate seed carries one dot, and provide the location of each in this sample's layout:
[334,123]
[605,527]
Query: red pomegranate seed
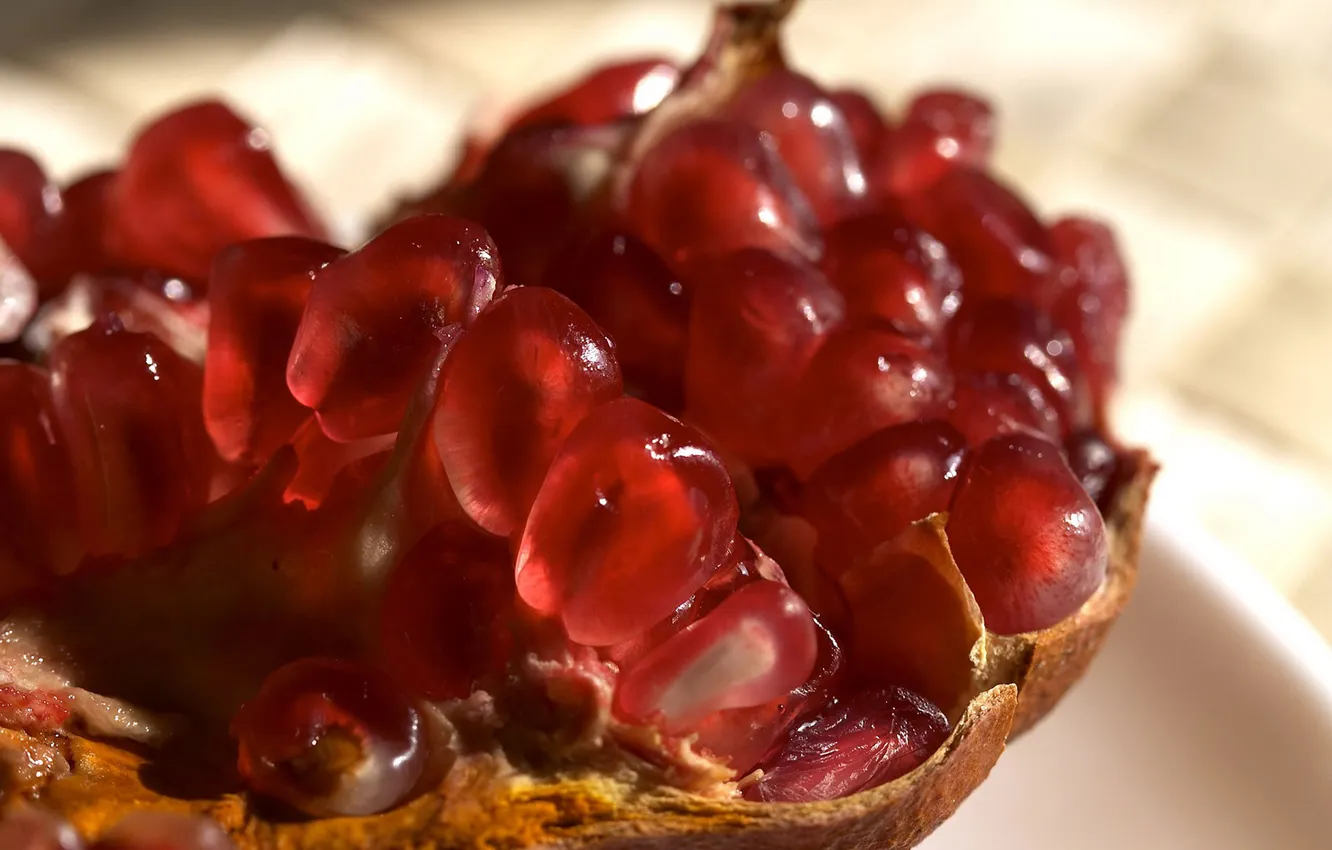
[814,140]
[444,619]
[859,381]
[869,493]
[997,242]
[942,130]
[634,515]
[1092,300]
[319,460]
[755,323]
[373,321]
[743,736]
[638,302]
[158,830]
[855,743]
[331,738]
[515,385]
[891,271]
[1094,462]
[129,409]
[908,625]
[1012,337]
[194,181]
[28,828]
[86,211]
[868,127]
[18,296]
[256,294]
[33,225]
[988,404]
[611,92]
[1026,535]
[713,187]
[37,528]
[757,645]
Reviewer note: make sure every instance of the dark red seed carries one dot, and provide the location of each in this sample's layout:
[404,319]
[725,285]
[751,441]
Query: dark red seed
[1094,462]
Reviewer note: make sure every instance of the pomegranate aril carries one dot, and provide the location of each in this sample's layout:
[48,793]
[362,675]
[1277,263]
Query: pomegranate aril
[857,742]
[33,226]
[1001,247]
[611,92]
[635,513]
[443,621]
[942,130]
[987,404]
[755,323]
[256,294]
[1027,537]
[27,828]
[813,138]
[638,302]
[743,736]
[869,129]
[374,317]
[331,738]
[195,181]
[892,272]
[37,528]
[129,410]
[528,371]
[859,381]
[1094,462]
[86,211]
[1092,300]
[757,645]
[869,493]
[159,830]
[1012,337]
[712,187]
[18,296]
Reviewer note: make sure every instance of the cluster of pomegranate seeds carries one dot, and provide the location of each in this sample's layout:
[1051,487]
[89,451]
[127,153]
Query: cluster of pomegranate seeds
[557,410]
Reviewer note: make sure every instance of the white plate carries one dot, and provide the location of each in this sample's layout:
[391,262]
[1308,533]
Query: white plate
[1205,723]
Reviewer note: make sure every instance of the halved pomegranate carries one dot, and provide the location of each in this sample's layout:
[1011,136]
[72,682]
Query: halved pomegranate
[389,558]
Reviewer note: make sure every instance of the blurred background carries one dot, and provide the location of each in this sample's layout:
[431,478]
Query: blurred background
[1201,128]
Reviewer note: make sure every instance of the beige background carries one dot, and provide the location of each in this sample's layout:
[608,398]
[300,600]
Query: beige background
[1202,128]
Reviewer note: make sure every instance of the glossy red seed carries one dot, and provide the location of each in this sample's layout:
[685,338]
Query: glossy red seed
[942,130]
[129,409]
[444,622]
[857,742]
[713,187]
[256,294]
[1092,300]
[1012,337]
[527,372]
[893,272]
[987,404]
[374,319]
[743,736]
[613,91]
[159,830]
[638,302]
[38,534]
[755,323]
[86,210]
[331,738]
[1094,462]
[31,225]
[871,492]
[868,127]
[194,181]
[757,645]
[1027,537]
[1001,247]
[813,138]
[28,828]
[634,515]
[319,460]
[859,381]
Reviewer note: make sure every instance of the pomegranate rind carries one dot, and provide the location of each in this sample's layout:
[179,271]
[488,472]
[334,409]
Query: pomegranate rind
[478,807]
[1044,664]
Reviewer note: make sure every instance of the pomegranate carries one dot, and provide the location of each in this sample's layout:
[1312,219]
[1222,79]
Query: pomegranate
[710,461]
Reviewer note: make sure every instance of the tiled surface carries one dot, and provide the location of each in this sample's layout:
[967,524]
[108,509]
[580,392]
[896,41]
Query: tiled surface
[1202,128]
